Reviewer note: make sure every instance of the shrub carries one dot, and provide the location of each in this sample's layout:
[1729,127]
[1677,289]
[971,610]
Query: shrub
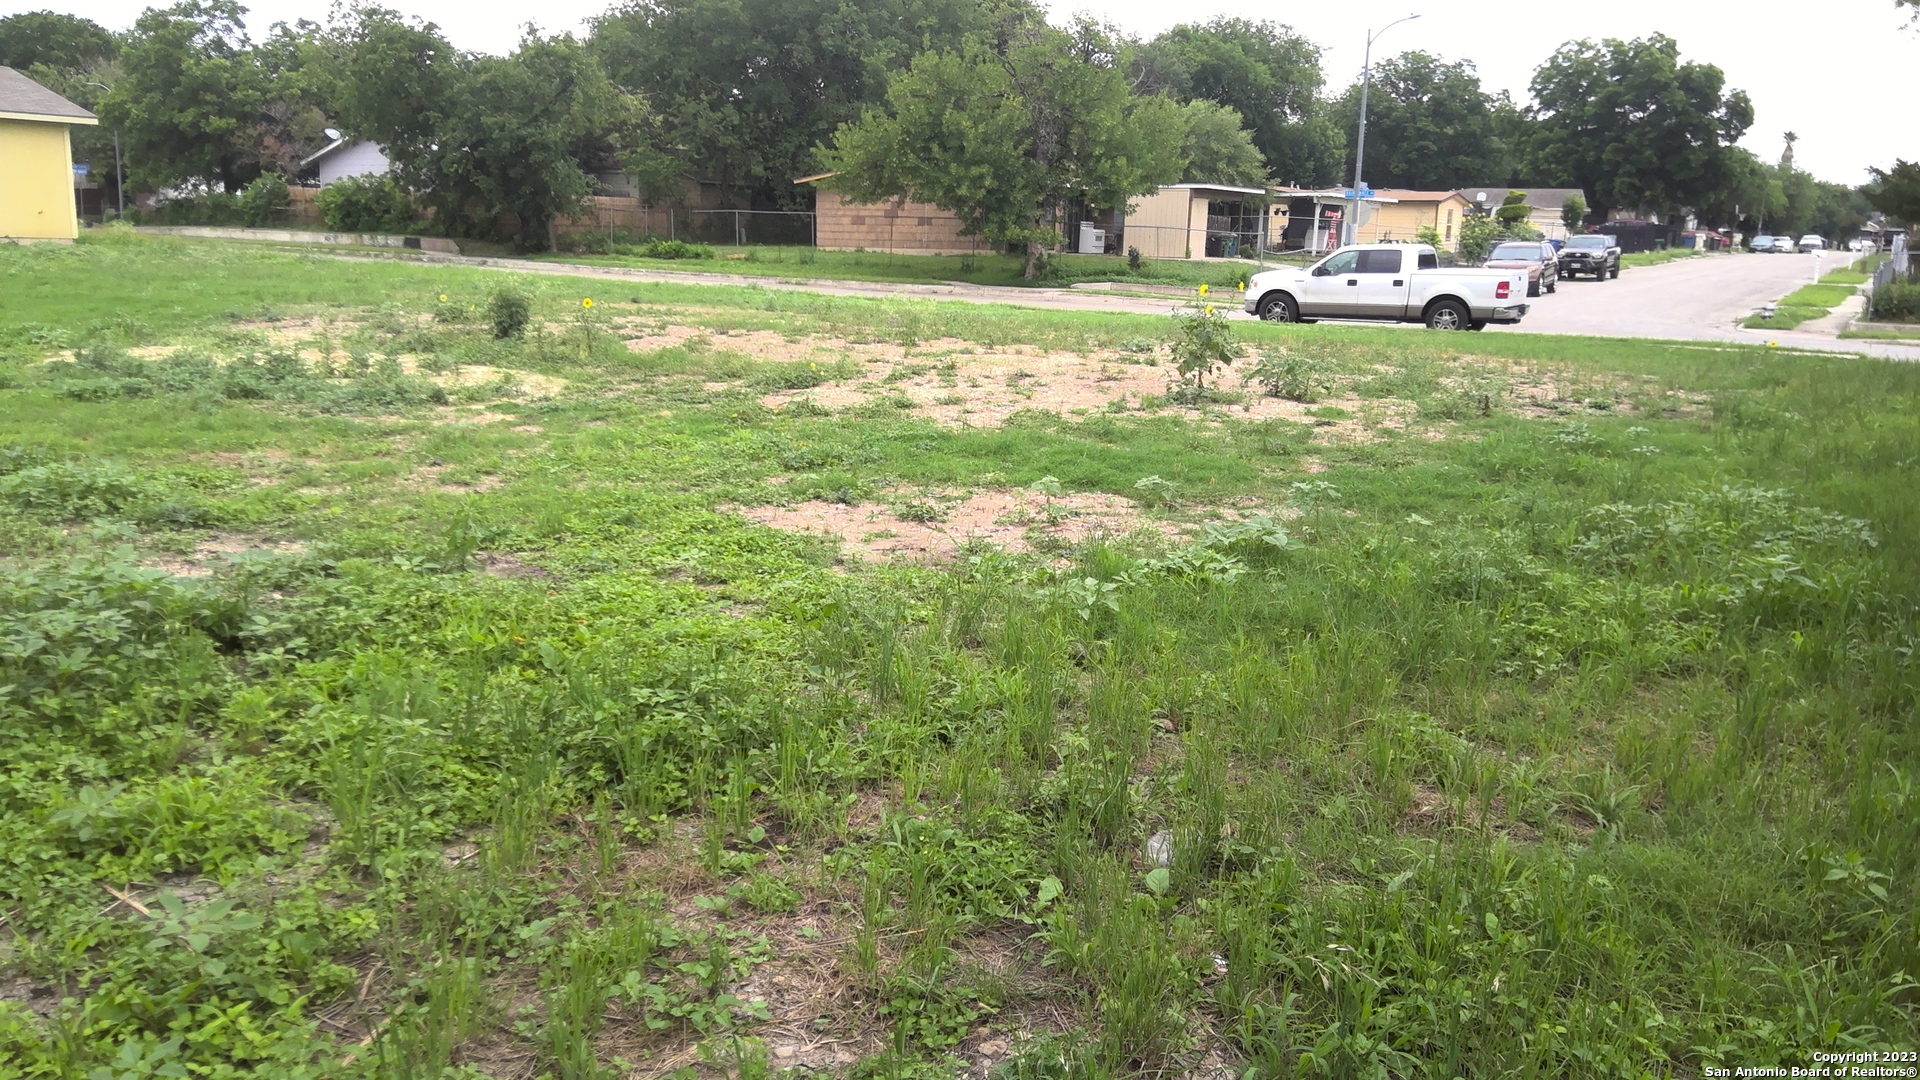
[1898,301]
[366,204]
[1290,375]
[656,248]
[265,201]
[510,310]
[206,208]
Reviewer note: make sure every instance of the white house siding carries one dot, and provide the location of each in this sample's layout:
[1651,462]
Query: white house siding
[359,159]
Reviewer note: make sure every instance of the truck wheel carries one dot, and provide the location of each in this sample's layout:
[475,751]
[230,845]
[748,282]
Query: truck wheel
[1533,288]
[1616,271]
[1447,315]
[1278,307]
[1555,287]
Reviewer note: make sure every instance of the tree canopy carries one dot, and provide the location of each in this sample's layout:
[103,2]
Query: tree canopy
[746,89]
[188,96]
[1217,147]
[54,40]
[1429,125]
[481,136]
[1004,132]
[1633,125]
[1895,192]
[1264,71]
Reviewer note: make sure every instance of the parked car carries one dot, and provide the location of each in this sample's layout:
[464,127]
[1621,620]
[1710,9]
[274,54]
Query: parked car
[1859,243]
[1813,242]
[1388,283]
[1594,253]
[1536,257]
[1763,242]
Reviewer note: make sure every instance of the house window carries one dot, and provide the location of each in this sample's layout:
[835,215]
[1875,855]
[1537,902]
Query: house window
[858,219]
[1449,224]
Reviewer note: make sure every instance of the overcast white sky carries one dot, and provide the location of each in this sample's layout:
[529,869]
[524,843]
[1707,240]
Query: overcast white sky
[1839,73]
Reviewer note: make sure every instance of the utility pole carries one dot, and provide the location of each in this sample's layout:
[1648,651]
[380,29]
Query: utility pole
[119,182]
[1360,144]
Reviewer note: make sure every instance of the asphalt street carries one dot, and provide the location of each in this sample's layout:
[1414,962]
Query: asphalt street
[1694,299]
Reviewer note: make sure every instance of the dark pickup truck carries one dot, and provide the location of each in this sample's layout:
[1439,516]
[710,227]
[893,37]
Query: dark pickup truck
[1593,253]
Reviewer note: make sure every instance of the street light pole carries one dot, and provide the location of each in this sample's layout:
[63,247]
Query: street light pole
[1360,144]
[119,181]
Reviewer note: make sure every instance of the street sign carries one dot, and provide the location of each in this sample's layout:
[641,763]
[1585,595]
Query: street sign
[79,170]
[1363,193]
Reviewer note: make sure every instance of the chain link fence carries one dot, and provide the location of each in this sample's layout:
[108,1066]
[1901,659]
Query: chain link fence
[727,228]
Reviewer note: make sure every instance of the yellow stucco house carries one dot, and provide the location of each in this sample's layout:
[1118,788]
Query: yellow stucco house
[36,160]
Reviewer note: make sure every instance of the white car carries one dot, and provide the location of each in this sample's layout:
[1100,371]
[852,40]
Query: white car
[1813,242]
[1389,283]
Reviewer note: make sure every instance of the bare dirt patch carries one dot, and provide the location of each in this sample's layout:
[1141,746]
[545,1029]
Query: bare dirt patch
[213,552]
[1010,519]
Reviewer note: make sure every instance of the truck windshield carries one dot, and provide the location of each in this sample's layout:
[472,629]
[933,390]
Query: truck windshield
[1597,243]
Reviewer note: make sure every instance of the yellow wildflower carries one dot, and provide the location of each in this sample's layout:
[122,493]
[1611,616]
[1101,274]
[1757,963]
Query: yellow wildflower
[587,303]
[1209,309]
[443,298]
[1203,290]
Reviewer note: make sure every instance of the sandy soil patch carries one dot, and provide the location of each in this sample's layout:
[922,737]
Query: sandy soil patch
[212,553]
[519,384]
[1012,520]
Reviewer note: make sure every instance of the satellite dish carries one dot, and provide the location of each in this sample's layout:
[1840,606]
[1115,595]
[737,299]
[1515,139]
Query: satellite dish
[331,133]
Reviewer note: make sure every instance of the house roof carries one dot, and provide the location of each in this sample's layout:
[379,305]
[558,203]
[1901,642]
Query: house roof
[1407,195]
[1217,187]
[23,99]
[1546,198]
[1330,194]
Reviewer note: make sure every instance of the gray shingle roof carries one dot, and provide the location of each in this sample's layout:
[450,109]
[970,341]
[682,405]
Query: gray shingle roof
[22,96]
[1537,198]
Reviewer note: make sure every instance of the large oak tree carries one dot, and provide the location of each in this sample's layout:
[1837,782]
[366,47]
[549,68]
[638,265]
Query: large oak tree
[1634,126]
[1430,126]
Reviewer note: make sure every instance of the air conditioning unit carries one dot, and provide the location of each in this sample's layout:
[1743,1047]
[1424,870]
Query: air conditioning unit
[1092,241]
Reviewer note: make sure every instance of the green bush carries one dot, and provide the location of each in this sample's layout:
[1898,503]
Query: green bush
[377,204]
[509,310]
[265,201]
[207,208]
[1899,301]
[656,248]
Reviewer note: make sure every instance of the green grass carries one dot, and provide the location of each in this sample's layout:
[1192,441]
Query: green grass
[1805,304]
[1845,276]
[981,269]
[1655,258]
[1785,317]
[1560,722]
[1878,334]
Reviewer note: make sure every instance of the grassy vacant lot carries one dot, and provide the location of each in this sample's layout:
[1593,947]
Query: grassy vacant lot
[982,269]
[380,698]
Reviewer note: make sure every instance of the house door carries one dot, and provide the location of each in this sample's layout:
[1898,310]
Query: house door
[1333,289]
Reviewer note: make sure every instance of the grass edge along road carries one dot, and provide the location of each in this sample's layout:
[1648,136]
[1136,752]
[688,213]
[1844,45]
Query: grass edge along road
[1546,708]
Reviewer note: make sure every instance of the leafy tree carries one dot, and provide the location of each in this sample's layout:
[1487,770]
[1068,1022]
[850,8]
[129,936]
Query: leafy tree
[1005,132]
[746,89]
[54,40]
[1429,125]
[1478,234]
[1751,196]
[483,136]
[1266,72]
[188,97]
[1573,213]
[1633,126]
[1895,192]
[1218,149]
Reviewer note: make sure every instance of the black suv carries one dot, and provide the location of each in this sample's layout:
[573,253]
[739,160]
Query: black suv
[1594,253]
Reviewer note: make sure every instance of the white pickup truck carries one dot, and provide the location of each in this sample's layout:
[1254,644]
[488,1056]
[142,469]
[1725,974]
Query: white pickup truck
[1391,283]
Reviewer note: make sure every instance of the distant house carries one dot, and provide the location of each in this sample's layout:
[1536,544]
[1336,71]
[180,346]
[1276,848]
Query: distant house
[1543,204]
[1403,213]
[898,226]
[36,160]
[1192,221]
[343,158]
